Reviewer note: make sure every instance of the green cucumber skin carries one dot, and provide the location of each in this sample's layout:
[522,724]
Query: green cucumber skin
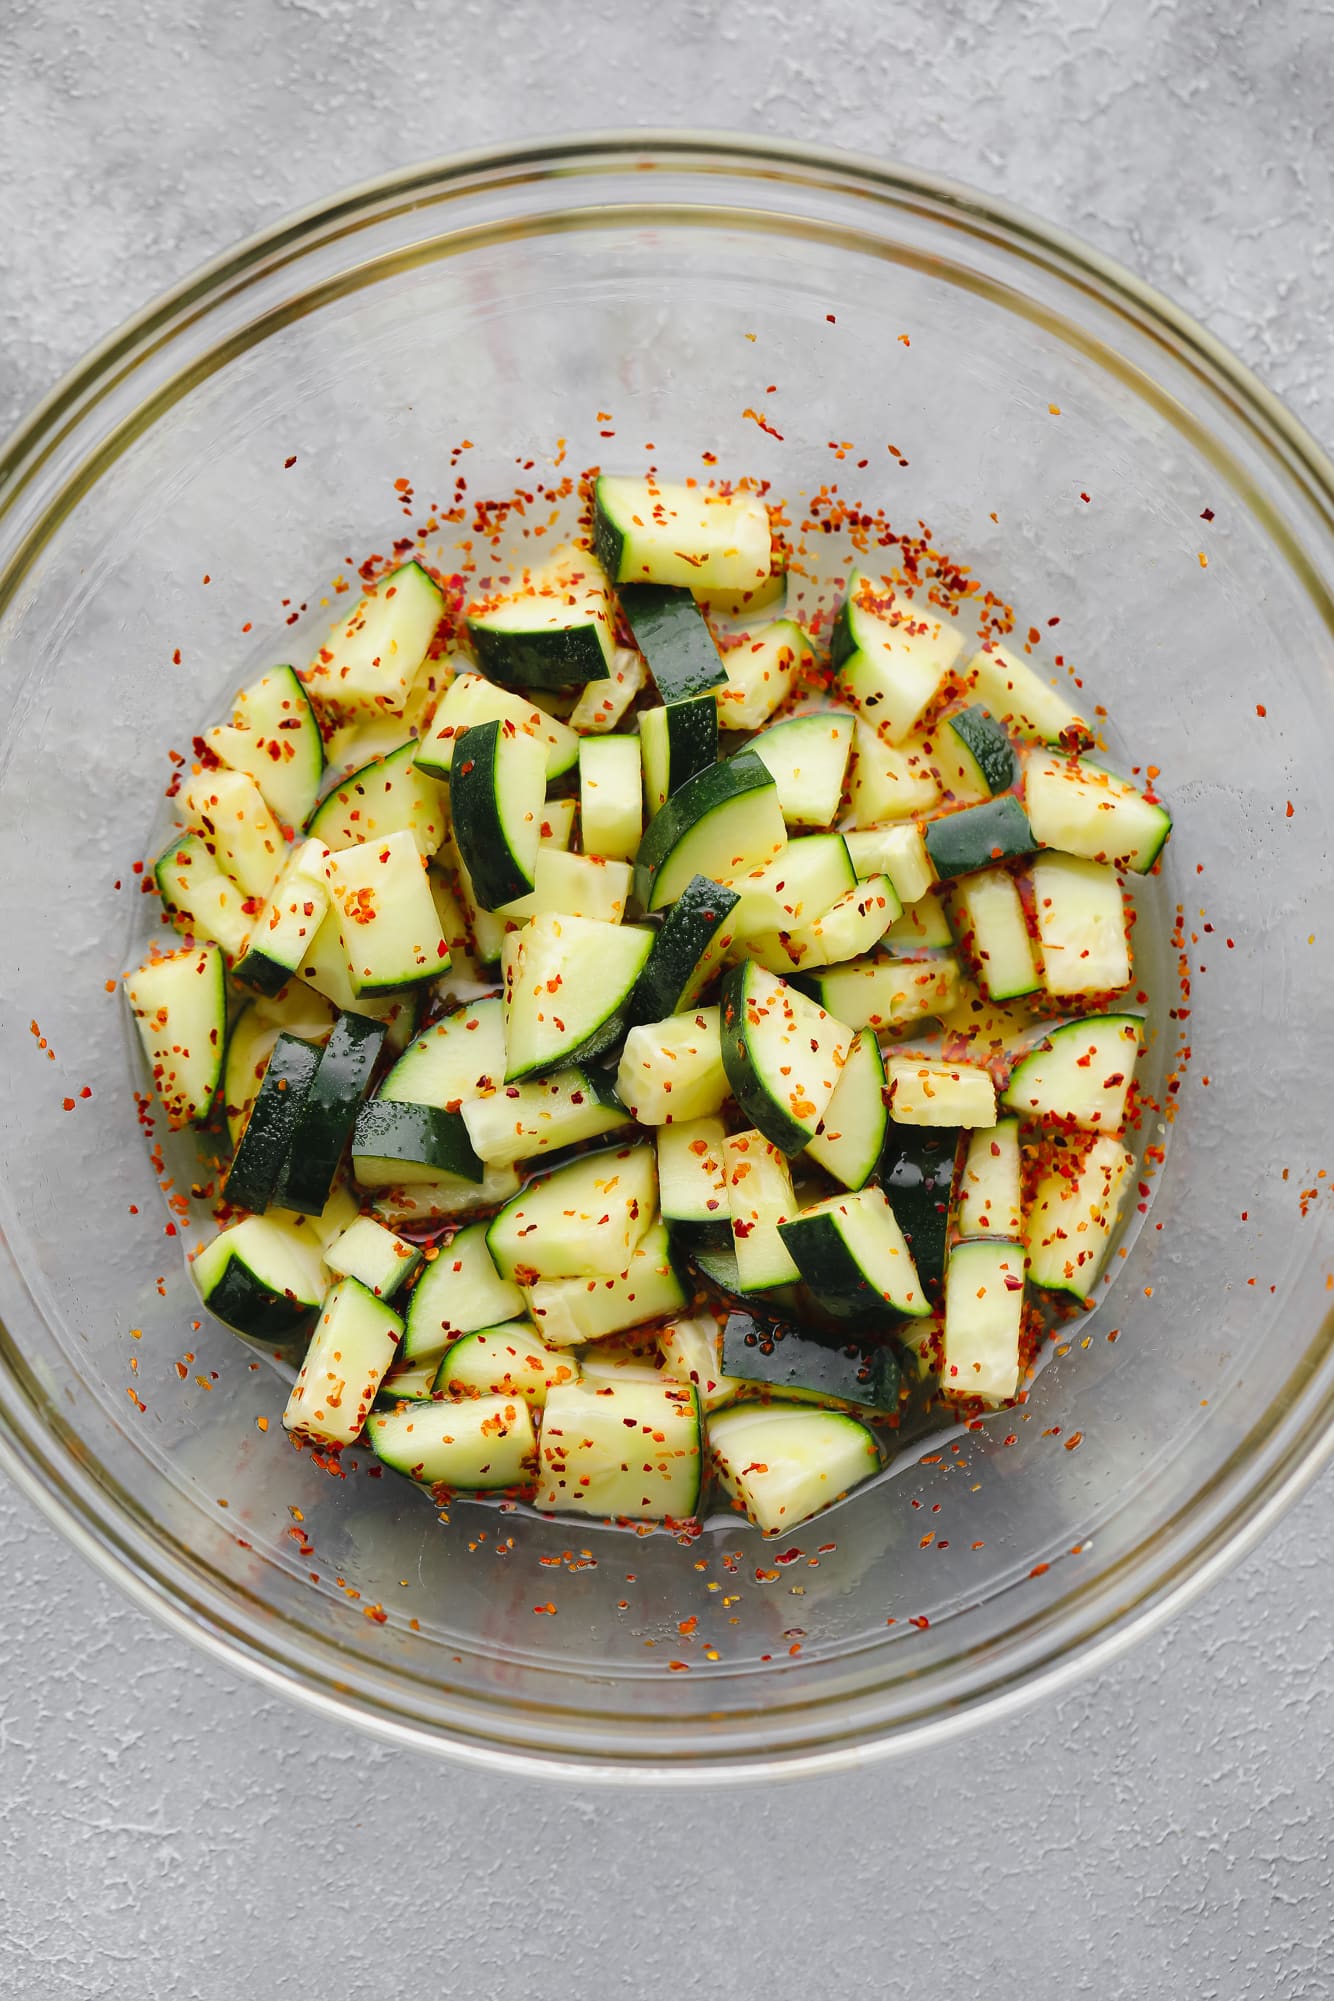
[249,1308]
[786,1358]
[917,1168]
[329,1114]
[979,836]
[987,744]
[263,1146]
[394,1129]
[673,635]
[692,737]
[548,659]
[748,1088]
[608,542]
[830,1270]
[263,974]
[496,878]
[681,943]
[842,643]
[734,779]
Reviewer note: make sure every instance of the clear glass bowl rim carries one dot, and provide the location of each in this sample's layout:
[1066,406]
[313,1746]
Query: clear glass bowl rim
[1292,1440]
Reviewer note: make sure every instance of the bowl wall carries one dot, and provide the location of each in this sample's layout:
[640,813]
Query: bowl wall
[1078,447]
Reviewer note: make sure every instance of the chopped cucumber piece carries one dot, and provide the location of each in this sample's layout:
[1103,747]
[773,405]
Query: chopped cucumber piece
[262,1277]
[471,699]
[581,1220]
[978,836]
[787,1462]
[782,1055]
[988,1202]
[294,1011]
[387,796]
[1081,918]
[396,1144]
[445,1198]
[852,1131]
[459,1292]
[200,899]
[570,990]
[262,1149]
[1075,1206]
[1022,701]
[673,635]
[679,739]
[273,735]
[686,951]
[898,852]
[455,1060]
[921,927]
[623,1449]
[974,756]
[721,823]
[328,1114]
[760,1200]
[691,1352]
[558,822]
[568,885]
[1081,1074]
[888,783]
[557,630]
[887,994]
[368,664]
[851,1253]
[772,1356]
[611,811]
[849,928]
[287,925]
[762,669]
[497,791]
[926,1091]
[179,1004]
[227,811]
[353,1344]
[984,1312]
[520,1121]
[570,1311]
[673,1069]
[808,759]
[656,531]
[472,1445]
[370,1253]
[917,1174]
[386,915]
[993,931]
[510,1360]
[805,880]
[603,703]
[892,656]
[692,1179]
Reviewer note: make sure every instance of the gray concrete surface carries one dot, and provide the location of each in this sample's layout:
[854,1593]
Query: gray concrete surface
[167,1832]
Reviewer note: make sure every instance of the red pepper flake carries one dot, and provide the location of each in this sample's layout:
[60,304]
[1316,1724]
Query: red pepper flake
[921,1622]
[904,341]
[1039,1570]
[1073,1440]
[1289,813]
[262,1422]
[828,316]
[1208,514]
[289,463]
[679,1667]
[1083,497]
[68,1104]
[1204,560]
[548,1608]
[1260,709]
[756,418]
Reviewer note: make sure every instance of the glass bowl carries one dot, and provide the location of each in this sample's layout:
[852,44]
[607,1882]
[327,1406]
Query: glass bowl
[1096,459]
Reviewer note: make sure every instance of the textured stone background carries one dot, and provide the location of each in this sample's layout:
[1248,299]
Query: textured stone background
[167,1832]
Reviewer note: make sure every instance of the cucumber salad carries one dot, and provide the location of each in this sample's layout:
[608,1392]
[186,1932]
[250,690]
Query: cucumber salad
[641,1039]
